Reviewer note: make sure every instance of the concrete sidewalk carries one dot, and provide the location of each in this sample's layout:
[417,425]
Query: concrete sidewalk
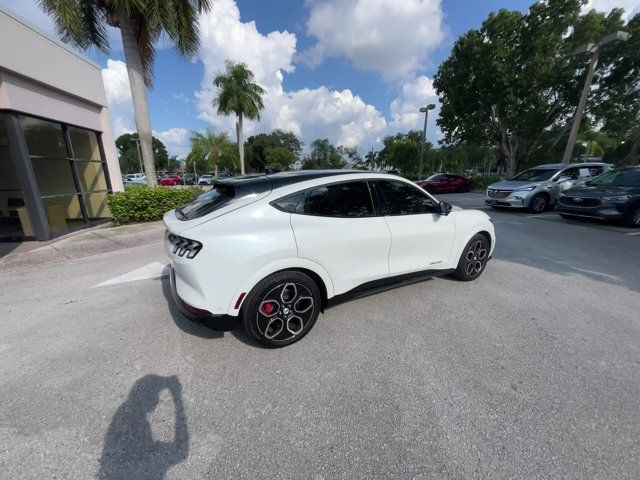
[82,244]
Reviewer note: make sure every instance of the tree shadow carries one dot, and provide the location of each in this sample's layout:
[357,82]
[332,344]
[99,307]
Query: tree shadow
[129,448]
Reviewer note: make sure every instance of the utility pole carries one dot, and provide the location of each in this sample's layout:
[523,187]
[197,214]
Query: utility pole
[424,110]
[614,37]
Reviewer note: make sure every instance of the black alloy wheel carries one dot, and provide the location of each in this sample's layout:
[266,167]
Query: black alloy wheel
[538,203]
[282,308]
[634,217]
[473,259]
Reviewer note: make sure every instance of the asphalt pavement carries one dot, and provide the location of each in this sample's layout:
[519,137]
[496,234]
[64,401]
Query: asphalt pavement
[532,371]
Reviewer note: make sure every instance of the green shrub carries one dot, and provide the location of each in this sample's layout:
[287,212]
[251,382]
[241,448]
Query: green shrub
[145,204]
[481,182]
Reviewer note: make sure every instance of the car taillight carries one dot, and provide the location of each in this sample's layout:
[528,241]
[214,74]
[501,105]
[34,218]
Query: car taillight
[182,246]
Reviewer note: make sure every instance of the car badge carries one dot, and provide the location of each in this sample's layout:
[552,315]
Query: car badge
[578,200]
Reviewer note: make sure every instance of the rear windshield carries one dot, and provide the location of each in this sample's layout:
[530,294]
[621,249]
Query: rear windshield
[535,175]
[220,196]
[619,178]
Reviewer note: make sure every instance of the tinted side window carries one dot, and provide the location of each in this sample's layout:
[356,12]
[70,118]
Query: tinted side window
[289,203]
[403,199]
[349,199]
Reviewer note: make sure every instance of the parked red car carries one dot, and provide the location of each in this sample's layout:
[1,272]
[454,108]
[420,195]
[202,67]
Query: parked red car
[170,180]
[446,183]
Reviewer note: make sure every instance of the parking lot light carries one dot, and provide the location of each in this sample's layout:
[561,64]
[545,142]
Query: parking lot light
[594,49]
[424,110]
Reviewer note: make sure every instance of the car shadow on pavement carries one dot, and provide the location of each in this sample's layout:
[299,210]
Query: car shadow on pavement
[182,322]
[130,450]
[196,329]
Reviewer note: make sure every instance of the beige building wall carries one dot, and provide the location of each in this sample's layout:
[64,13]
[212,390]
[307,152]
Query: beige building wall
[46,78]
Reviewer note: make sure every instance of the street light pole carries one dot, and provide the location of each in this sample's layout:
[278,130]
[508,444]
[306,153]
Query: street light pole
[577,118]
[424,110]
[618,36]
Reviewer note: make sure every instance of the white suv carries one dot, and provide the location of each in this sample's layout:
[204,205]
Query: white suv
[272,251]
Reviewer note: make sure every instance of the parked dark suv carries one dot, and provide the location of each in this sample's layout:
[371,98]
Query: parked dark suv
[613,196]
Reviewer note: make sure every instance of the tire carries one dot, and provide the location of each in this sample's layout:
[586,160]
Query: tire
[282,308]
[474,259]
[538,203]
[633,219]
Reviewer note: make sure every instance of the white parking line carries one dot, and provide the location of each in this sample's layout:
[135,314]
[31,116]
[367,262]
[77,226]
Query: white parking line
[151,271]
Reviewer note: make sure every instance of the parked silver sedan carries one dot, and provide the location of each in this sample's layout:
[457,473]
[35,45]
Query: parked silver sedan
[539,188]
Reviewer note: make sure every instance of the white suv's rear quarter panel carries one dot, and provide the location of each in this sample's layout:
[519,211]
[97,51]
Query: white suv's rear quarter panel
[234,247]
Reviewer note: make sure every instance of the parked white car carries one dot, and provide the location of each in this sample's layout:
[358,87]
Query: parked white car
[271,252]
[206,179]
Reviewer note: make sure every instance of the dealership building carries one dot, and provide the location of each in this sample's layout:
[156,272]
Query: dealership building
[57,154]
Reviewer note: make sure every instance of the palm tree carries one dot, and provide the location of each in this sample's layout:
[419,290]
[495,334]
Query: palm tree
[238,94]
[209,148]
[83,23]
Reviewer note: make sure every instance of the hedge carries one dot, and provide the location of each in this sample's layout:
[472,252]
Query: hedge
[481,182]
[146,204]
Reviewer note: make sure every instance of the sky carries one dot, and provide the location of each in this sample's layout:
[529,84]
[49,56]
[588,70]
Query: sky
[351,71]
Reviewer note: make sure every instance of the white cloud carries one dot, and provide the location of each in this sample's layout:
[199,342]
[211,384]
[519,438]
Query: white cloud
[340,116]
[631,7]
[118,92]
[405,114]
[116,86]
[388,36]
[116,82]
[176,140]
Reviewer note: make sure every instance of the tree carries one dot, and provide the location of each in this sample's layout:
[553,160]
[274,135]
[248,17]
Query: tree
[211,151]
[239,95]
[515,81]
[129,154]
[83,23]
[402,152]
[281,158]
[323,155]
[257,147]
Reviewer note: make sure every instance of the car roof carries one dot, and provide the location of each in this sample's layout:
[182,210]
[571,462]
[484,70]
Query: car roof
[567,165]
[257,183]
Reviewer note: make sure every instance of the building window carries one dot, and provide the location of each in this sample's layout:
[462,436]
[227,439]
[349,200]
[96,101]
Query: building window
[14,221]
[70,172]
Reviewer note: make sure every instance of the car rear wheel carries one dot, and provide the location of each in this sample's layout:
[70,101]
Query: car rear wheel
[633,219]
[473,259]
[538,203]
[282,308]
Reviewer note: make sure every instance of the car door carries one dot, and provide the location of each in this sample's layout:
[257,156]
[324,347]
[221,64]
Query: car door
[421,238]
[337,226]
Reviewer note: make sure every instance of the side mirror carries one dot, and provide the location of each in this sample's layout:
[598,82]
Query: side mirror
[587,183]
[563,178]
[444,208]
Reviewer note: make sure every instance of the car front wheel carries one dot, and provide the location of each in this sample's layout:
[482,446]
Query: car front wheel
[474,258]
[282,308]
[633,219]
[538,203]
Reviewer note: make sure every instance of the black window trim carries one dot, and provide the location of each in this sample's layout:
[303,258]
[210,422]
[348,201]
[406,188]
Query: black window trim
[383,202]
[299,210]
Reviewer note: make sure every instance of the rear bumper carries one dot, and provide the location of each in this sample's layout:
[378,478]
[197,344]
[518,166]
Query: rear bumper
[223,323]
